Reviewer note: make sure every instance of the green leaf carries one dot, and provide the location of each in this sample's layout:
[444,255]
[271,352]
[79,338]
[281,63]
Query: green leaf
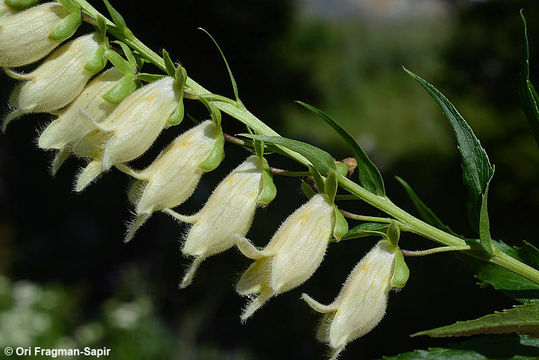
[365,230]
[485,347]
[369,175]
[169,65]
[307,190]
[21,4]
[523,319]
[530,101]
[476,167]
[511,284]
[122,89]
[119,62]
[117,19]
[321,160]
[341,225]
[231,76]
[67,27]
[484,224]
[424,211]
[318,180]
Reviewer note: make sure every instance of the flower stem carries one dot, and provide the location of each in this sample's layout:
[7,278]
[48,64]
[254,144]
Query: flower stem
[238,111]
[434,250]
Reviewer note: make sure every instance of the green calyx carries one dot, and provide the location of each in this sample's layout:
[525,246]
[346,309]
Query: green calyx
[341,225]
[268,190]
[98,61]
[401,272]
[216,156]
[21,4]
[67,27]
[180,75]
[393,234]
[123,88]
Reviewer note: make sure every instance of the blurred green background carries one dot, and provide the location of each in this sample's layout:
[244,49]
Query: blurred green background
[68,280]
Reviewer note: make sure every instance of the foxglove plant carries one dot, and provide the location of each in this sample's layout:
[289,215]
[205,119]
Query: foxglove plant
[118,116]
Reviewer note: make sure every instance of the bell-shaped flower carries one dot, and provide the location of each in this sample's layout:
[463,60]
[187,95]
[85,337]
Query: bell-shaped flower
[24,36]
[77,121]
[291,257]
[57,81]
[132,127]
[227,215]
[362,301]
[174,175]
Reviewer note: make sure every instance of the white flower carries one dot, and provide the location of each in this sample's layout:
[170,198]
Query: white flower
[291,257]
[362,301]
[130,129]
[227,215]
[174,175]
[57,81]
[24,36]
[77,121]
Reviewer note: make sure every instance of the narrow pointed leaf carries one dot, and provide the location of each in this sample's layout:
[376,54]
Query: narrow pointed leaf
[331,186]
[523,319]
[423,210]
[476,167]
[322,161]
[231,76]
[307,190]
[369,175]
[128,53]
[149,77]
[365,230]
[171,69]
[528,94]
[119,62]
[117,19]
[70,5]
[484,224]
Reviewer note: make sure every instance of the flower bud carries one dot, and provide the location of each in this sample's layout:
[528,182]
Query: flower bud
[57,81]
[79,117]
[174,175]
[138,120]
[227,215]
[362,301]
[291,257]
[24,36]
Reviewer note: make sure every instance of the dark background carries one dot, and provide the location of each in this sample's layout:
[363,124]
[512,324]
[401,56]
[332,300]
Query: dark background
[344,57]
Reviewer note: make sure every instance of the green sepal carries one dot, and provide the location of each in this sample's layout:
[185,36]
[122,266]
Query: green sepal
[101,26]
[178,115]
[393,233]
[21,4]
[180,74]
[119,62]
[216,155]
[331,186]
[341,225]
[269,190]
[123,88]
[97,62]
[342,168]
[70,5]
[318,180]
[401,272]
[149,77]
[169,65]
[128,53]
[307,190]
[117,19]
[67,27]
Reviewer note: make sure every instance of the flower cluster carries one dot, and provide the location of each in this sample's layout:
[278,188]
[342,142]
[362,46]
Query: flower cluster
[108,130]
